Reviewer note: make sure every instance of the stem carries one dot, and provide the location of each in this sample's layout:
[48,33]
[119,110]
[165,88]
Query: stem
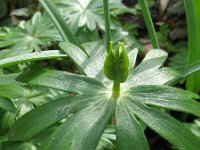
[107,22]
[116,88]
[149,23]
[59,22]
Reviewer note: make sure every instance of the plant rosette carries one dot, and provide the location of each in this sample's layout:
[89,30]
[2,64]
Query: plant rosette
[141,94]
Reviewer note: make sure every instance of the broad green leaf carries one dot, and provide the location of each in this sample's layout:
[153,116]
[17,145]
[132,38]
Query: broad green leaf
[169,128]
[7,104]
[62,81]
[31,57]
[83,130]
[92,65]
[11,91]
[46,115]
[129,132]
[59,22]
[167,97]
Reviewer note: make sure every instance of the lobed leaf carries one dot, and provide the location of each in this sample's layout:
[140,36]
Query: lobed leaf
[59,21]
[83,130]
[129,132]
[167,97]
[169,128]
[48,114]
[91,65]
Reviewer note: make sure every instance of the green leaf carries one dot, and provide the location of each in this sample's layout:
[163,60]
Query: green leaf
[91,65]
[9,79]
[19,146]
[11,91]
[129,132]
[46,115]
[7,104]
[169,128]
[132,55]
[31,35]
[87,13]
[149,23]
[167,97]
[193,23]
[148,72]
[62,81]
[191,69]
[83,130]
[59,22]
[31,57]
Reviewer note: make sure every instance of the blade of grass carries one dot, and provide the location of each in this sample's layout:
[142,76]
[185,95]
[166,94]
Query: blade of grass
[59,22]
[195,67]
[149,23]
[193,26]
[190,70]
[107,22]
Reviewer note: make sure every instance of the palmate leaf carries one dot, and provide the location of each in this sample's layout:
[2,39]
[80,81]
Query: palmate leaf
[88,13]
[49,113]
[39,31]
[139,95]
[129,128]
[92,120]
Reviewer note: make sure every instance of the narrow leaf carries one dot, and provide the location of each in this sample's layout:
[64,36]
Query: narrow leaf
[169,128]
[132,55]
[46,115]
[31,57]
[59,22]
[167,97]
[62,81]
[83,130]
[129,132]
[92,66]
[149,23]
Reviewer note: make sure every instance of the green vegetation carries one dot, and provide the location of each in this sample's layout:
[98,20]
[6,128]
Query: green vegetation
[75,75]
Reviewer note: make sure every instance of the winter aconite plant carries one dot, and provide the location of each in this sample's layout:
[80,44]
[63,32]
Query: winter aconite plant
[126,97]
